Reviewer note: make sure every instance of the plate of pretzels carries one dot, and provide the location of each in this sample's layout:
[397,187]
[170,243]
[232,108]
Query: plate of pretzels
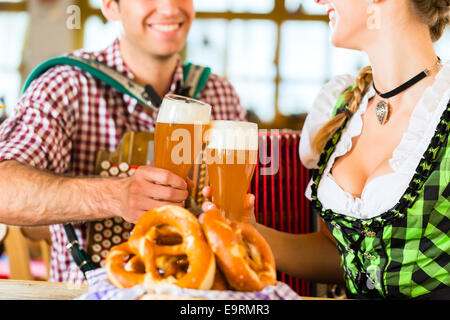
[171,246]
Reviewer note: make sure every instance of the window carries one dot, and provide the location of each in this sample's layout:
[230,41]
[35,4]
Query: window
[13,26]
[276,53]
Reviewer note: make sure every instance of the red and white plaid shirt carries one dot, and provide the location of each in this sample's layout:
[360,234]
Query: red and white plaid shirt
[66,116]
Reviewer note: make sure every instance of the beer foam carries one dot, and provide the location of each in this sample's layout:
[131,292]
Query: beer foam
[183,110]
[233,135]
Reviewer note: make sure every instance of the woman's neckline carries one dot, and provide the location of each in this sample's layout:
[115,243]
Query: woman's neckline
[365,101]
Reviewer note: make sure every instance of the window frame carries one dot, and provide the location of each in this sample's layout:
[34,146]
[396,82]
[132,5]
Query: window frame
[278,15]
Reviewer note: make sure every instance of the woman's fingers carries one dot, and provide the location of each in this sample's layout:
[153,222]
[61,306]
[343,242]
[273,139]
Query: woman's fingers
[206,191]
[249,201]
[207,206]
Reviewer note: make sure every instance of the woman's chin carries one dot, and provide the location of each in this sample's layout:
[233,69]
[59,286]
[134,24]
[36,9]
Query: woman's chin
[340,41]
[336,40]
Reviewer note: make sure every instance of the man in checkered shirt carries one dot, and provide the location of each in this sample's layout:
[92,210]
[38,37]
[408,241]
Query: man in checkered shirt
[48,145]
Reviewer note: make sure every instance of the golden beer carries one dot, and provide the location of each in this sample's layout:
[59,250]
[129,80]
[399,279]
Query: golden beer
[231,158]
[179,132]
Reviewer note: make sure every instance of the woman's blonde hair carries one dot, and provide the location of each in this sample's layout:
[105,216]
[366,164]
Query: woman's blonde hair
[434,13]
[363,80]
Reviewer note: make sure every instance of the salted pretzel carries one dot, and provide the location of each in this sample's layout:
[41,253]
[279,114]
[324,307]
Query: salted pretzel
[173,249]
[242,254]
[220,283]
[123,267]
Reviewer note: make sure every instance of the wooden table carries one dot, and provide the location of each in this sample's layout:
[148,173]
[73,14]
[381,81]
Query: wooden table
[42,290]
[39,290]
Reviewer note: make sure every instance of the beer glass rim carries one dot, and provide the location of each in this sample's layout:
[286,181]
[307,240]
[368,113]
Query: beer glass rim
[230,134]
[176,97]
[233,123]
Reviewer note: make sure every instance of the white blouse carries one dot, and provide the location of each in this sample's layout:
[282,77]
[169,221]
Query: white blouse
[383,192]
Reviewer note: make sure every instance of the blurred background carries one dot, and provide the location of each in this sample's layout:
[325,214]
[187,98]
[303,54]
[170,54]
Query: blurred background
[276,53]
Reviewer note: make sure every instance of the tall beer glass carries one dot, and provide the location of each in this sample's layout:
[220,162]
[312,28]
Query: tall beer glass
[179,131]
[231,156]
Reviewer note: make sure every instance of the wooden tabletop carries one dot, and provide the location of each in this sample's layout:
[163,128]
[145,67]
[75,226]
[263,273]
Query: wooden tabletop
[42,290]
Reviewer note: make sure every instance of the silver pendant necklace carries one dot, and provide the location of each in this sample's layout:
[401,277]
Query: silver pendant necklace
[382,109]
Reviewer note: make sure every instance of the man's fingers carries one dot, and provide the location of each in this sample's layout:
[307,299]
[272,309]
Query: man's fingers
[145,204]
[190,183]
[162,177]
[164,193]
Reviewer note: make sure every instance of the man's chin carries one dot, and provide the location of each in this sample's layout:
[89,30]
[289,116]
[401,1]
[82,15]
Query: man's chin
[164,56]
[162,53]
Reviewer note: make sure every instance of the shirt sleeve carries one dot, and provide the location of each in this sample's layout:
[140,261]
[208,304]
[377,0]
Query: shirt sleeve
[222,97]
[39,131]
[319,115]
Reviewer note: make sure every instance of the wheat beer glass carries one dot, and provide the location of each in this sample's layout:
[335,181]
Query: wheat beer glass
[179,131]
[231,156]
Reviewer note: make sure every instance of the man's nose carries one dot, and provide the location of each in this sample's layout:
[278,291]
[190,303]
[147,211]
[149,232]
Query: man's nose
[168,7]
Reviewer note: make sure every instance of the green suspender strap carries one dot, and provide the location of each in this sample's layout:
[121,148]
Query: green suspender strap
[195,78]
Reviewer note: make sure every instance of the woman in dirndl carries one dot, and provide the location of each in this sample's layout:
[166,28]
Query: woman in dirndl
[378,148]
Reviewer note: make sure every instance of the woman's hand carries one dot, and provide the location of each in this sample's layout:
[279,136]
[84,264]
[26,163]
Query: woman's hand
[248,215]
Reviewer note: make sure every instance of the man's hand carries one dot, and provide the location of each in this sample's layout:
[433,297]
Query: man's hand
[151,187]
[36,197]
[248,215]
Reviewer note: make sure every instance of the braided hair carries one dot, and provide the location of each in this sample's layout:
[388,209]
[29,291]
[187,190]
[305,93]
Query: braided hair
[363,82]
[434,13]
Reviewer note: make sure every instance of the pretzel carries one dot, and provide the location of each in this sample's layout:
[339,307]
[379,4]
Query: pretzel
[123,267]
[219,281]
[242,254]
[171,244]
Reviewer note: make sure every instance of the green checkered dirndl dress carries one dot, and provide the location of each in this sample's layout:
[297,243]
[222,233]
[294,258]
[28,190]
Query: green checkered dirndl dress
[404,252]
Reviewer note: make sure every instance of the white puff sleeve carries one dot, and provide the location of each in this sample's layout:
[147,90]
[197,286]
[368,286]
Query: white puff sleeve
[319,115]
